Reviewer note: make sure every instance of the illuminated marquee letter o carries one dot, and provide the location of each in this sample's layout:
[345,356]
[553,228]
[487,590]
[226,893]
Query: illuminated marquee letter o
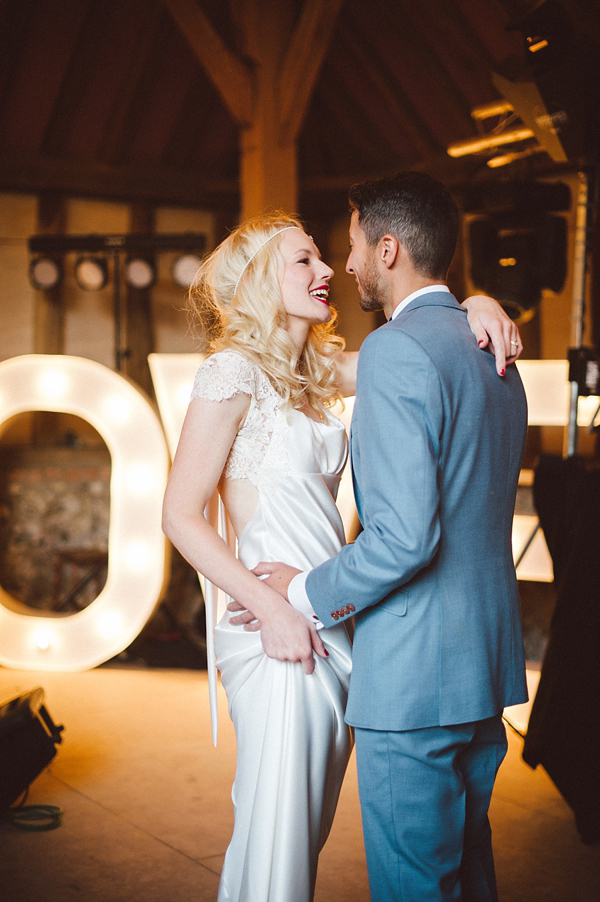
[136,545]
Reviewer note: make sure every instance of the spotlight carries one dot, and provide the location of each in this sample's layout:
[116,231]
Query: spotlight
[45,273]
[185,269]
[487,142]
[505,158]
[91,273]
[139,273]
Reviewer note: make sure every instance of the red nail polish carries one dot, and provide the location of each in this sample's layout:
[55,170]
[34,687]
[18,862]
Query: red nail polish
[502,372]
[326,652]
[480,342]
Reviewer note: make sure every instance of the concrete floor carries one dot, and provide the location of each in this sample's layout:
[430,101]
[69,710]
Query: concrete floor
[148,813]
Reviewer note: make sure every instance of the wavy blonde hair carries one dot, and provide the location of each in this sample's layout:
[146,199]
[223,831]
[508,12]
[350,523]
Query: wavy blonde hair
[237,297]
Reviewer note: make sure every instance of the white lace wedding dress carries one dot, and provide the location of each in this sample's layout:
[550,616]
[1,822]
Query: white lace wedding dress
[292,743]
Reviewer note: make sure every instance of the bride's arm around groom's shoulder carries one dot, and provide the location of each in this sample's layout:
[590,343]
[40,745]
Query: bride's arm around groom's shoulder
[491,326]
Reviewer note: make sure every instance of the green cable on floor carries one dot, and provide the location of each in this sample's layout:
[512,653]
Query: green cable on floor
[35,817]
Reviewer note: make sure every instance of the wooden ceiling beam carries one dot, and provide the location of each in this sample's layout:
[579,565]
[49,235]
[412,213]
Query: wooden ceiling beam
[339,110]
[448,93]
[399,107]
[82,64]
[119,125]
[37,175]
[303,60]
[461,35]
[16,21]
[230,74]
[452,173]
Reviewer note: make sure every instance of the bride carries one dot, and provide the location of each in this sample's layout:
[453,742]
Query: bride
[258,429]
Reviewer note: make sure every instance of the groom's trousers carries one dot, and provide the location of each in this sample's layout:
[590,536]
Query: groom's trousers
[424,798]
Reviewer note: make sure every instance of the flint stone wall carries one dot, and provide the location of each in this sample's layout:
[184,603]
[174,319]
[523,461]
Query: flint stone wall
[54,515]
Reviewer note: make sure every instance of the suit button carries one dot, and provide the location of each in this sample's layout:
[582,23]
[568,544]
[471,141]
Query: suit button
[351,608]
[335,615]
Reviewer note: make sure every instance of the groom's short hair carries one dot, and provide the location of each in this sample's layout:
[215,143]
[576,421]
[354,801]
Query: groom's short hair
[418,210]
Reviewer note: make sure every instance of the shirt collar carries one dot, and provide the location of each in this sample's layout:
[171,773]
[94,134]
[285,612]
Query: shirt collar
[416,294]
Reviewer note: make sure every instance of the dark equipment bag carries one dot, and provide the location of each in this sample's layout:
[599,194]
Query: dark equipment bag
[28,740]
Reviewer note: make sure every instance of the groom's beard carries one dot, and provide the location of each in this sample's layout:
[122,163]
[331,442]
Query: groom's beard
[370,288]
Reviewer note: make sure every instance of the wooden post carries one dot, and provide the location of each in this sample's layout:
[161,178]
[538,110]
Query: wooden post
[266,87]
[139,333]
[49,324]
[268,164]
[49,317]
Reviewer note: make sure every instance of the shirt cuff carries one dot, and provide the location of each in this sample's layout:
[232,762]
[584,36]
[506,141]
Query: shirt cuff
[298,598]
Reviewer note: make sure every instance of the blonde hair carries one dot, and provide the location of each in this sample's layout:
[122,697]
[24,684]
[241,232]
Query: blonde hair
[237,298]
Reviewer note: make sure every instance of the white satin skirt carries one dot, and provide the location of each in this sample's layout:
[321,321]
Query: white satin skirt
[292,751]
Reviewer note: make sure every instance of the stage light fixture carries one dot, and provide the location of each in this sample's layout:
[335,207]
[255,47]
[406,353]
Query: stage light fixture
[185,268]
[91,273]
[491,110]
[506,158]
[139,272]
[488,142]
[45,273]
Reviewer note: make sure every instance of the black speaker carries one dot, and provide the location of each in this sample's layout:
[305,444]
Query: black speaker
[516,240]
[514,256]
[28,740]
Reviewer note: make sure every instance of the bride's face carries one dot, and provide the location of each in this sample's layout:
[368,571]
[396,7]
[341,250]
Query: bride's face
[304,279]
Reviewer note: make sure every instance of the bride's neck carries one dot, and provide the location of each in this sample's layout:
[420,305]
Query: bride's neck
[298,332]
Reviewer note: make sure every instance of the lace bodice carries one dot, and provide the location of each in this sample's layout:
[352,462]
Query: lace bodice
[258,452]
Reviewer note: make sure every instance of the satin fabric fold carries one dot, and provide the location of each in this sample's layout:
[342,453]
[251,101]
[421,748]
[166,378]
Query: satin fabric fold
[292,743]
[293,748]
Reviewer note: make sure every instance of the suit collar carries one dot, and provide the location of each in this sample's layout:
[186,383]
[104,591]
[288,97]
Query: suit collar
[415,294]
[430,299]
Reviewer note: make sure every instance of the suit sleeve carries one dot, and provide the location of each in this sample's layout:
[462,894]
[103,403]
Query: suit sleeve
[397,428]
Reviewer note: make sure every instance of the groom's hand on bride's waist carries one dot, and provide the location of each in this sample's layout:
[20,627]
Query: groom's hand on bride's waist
[243,617]
[286,634]
[276,575]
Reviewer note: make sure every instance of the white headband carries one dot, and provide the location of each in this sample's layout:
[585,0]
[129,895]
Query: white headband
[258,249]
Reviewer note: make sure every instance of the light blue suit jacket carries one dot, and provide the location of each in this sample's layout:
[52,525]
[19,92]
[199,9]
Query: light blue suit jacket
[437,442]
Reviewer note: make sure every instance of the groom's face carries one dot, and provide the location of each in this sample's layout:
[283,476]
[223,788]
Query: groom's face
[362,265]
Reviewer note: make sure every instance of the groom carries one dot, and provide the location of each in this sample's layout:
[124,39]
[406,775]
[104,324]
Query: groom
[436,445]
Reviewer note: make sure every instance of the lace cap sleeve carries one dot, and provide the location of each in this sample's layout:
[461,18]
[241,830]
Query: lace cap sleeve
[224,375]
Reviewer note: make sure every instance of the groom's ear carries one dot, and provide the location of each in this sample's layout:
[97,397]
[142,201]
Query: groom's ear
[388,250]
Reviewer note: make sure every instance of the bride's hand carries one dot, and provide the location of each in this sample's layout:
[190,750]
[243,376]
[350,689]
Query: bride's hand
[287,635]
[493,329]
